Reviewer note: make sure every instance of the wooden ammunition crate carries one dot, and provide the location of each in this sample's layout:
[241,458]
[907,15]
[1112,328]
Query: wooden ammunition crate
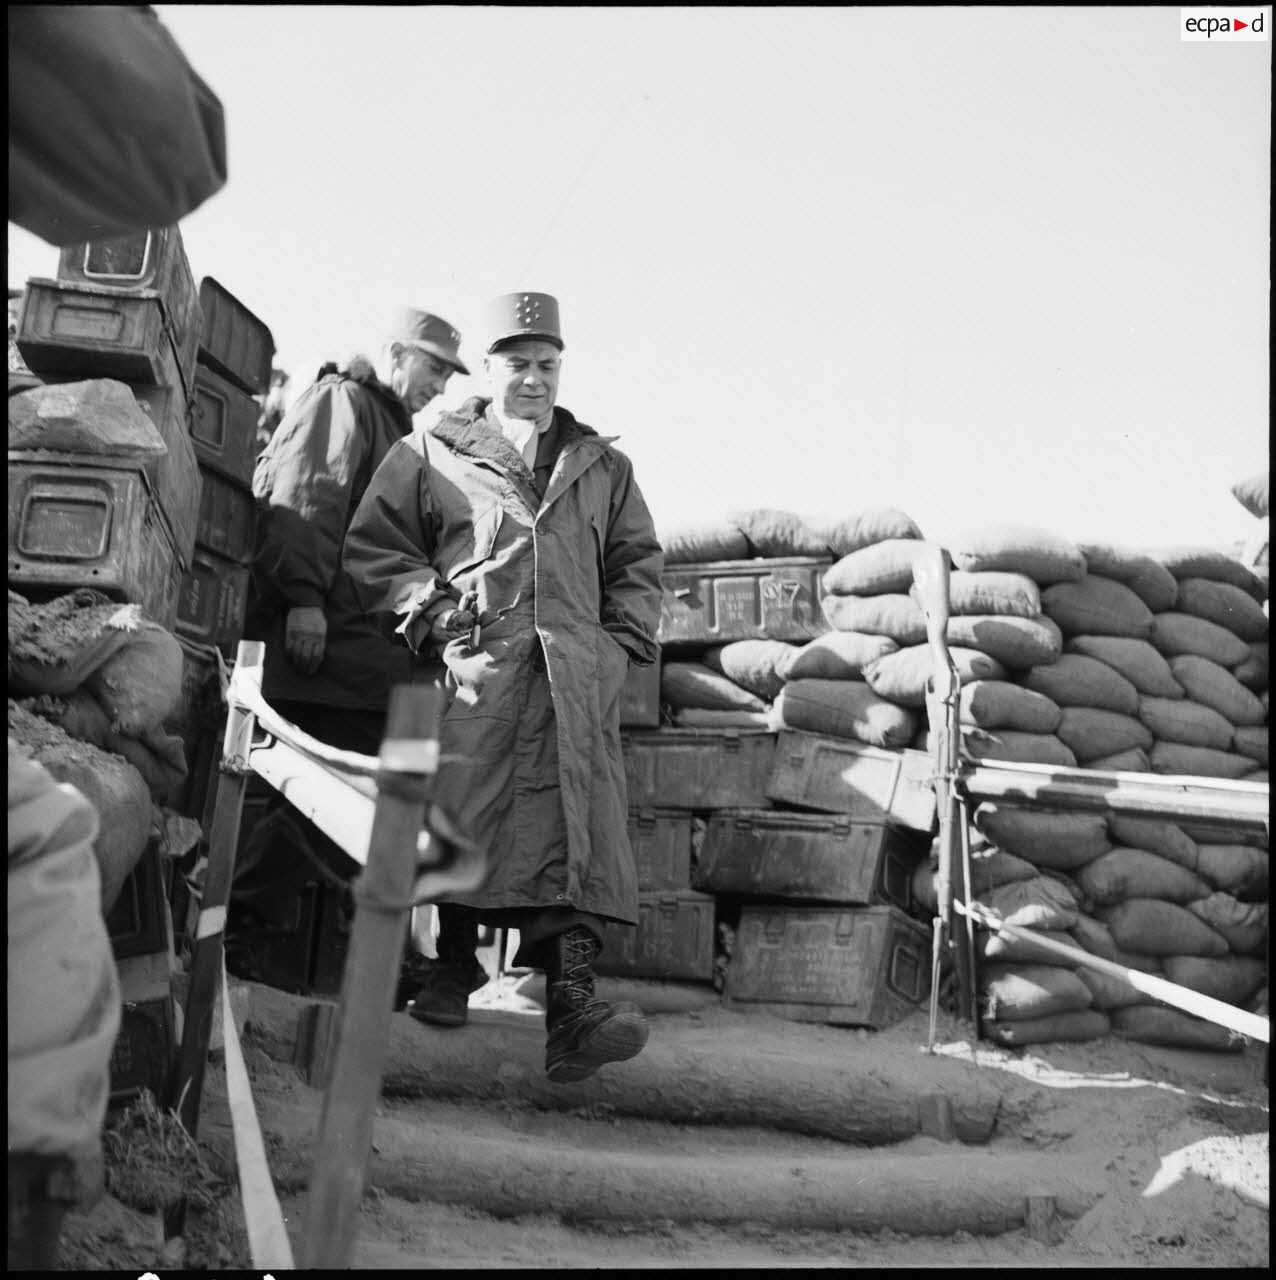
[698,768]
[150,262]
[90,526]
[834,775]
[145,1050]
[742,600]
[308,957]
[174,475]
[849,966]
[227,518]
[661,841]
[773,854]
[674,939]
[138,921]
[212,600]
[234,341]
[224,426]
[200,721]
[640,698]
[102,333]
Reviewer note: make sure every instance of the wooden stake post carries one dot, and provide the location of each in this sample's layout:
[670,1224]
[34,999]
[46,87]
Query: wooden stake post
[210,928]
[383,902]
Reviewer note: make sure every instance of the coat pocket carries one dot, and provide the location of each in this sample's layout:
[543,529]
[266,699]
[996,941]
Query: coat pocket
[478,546]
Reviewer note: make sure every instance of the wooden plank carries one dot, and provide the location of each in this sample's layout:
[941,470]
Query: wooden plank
[1242,805]
[382,897]
[340,805]
[206,956]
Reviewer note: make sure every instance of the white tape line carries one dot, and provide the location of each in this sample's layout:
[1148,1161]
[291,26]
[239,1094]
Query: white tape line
[413,755]
[263,1219]
[211,920]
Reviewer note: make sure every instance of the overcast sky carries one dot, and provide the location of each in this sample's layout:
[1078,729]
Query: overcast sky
[982,264]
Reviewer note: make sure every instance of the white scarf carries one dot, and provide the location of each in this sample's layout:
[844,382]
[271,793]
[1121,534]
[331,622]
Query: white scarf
[523,434]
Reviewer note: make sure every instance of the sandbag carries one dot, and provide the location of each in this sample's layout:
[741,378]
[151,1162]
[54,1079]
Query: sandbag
[836,655]
[882,567]
[999,704]
[901,676]
[1002,948]
[1092,732]
[54,646]
[1108,991]
[1206,562]
[1097,606]
[1259,775]
[1152,582]
[1077,681]
[1123,872]
[1093,936]
[989,869]
[1017,747]
[1072,1027]
[703,543]
[1243,924]
[1238,869]
[1010,992]
[1223,604]
[1043,556]
[1214,686]
[776,534]
[1252,494]
[99,416]
[1044,837]
[992,591]
[1158,1024]
[140,684]
[1175,633]
[1041,903]
[876,524]
[751,664]
[1201,762]
[1132,761]
[1253,671]
[691,684]
[844,709]
[111,785]
[1231,979]
[1251,740]
[1013,641]
[1137,660]
[1182,720]
[898,616]
[1154,927]
[1162,838]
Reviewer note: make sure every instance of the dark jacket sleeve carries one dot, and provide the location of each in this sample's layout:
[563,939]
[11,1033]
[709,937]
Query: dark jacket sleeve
[390,543]
[304,483]
[632,564]
[110,129]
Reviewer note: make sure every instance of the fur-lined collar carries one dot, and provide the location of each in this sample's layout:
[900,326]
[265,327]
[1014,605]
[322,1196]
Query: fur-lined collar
[473,431]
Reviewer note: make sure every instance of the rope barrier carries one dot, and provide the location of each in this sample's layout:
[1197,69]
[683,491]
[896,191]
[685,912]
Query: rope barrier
[268,1241]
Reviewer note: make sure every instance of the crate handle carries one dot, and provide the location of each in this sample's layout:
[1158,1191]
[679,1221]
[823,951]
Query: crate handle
[845,927]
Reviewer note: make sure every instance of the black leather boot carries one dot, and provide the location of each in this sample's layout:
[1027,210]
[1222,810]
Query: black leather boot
[443,996]
[583,1032]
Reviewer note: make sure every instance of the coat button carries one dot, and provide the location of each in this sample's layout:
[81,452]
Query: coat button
[562,897]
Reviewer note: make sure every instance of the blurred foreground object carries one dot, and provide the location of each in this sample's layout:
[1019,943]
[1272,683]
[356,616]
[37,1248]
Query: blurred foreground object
[110,129]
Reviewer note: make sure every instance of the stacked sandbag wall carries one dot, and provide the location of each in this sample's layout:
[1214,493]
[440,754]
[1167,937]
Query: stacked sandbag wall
[1162,669]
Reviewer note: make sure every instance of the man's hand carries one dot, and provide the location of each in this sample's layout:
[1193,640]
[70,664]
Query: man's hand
[305,634]
[452,623]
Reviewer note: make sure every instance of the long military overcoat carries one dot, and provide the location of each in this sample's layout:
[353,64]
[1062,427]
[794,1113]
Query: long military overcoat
[308,482]
[568,592]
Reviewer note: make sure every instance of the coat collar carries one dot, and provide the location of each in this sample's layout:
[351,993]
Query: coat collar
[472,431]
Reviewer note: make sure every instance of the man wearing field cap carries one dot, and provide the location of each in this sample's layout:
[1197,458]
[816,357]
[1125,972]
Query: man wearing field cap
[328,667]
[517,551]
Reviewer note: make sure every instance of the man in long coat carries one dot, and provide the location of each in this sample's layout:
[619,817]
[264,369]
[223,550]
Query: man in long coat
[516,547]
[329,668]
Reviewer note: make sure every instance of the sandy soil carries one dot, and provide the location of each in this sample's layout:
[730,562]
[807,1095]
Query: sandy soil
[1177,1139]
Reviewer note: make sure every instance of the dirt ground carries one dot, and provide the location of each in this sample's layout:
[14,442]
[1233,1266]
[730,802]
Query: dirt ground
[1174,1145]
